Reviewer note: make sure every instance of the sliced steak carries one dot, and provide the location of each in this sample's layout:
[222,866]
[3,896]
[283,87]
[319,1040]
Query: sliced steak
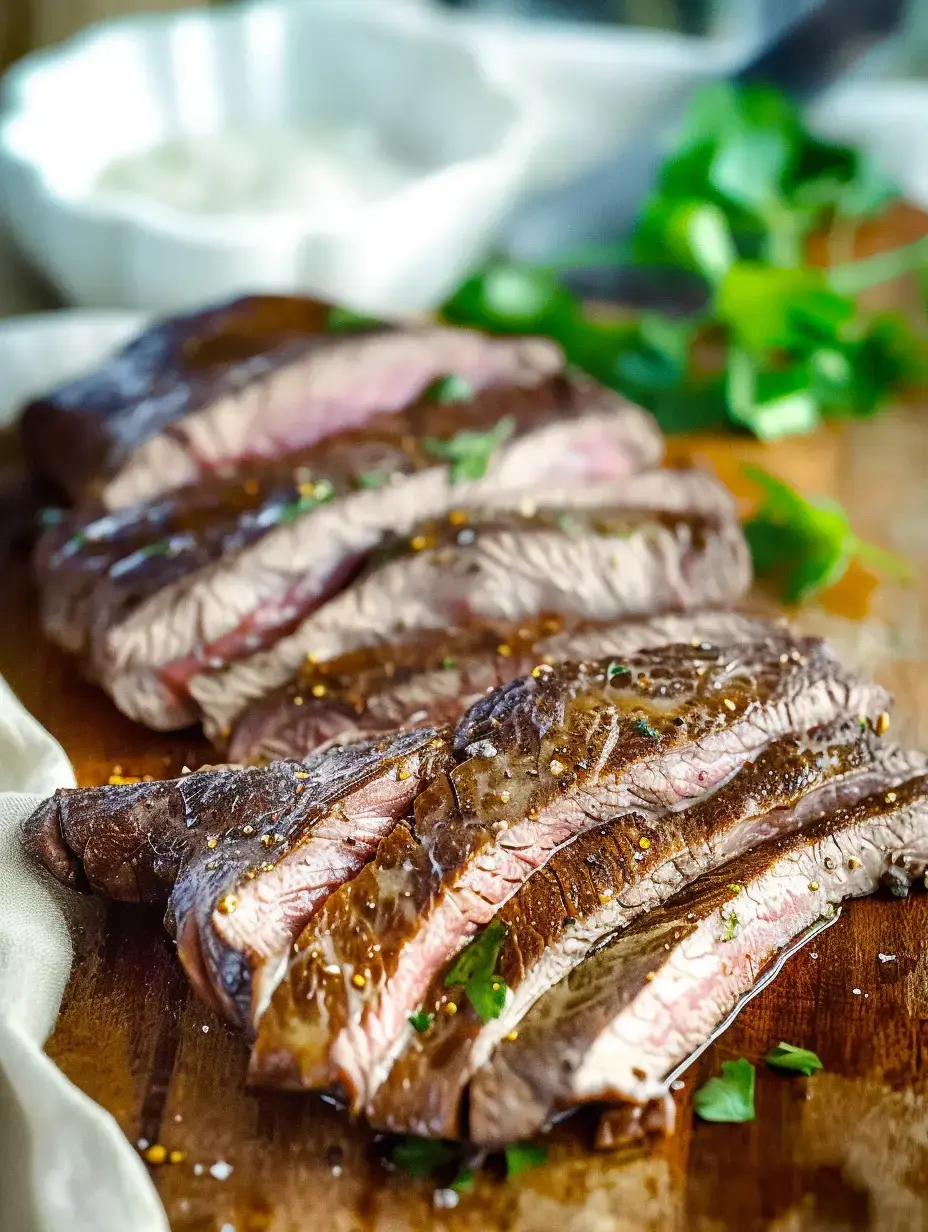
[250,379]
[240,902]
[546,758]
[435,678]
[601,883]
[96,566]
[245,855]
[240,604]
[616,1026]
[669,542]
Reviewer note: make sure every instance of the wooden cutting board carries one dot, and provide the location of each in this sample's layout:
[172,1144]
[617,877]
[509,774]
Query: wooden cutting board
[847,1149]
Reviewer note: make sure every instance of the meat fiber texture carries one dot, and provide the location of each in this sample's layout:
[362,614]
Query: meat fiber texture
[668,541]
[66,1166]
[542,761]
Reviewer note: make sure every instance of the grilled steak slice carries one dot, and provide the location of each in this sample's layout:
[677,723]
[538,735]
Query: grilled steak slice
[249,854]
[638,1007]
[671,542]
[436,678]
[546,758]
[97,566]
[239,903]
[240,604]
[605,879]
[253,378]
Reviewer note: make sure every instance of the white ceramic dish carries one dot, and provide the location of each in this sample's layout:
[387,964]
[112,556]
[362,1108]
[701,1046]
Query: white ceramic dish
[44,348]
[134,83]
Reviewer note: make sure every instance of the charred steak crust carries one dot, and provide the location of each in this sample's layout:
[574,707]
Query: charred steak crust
[84,430]
[619,1023]
[435,678]
[544,759]
[601,882]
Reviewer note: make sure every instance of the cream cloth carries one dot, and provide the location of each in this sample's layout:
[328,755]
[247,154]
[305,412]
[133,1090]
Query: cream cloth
[65,1165]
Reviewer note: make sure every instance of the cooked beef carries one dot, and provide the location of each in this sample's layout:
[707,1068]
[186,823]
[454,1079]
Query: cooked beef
[668,542]
[435,678]
[241,903]
[246,601]
[249,854]
[619,1023]
[95,567]
[546,758]
[605,879]
[250,379]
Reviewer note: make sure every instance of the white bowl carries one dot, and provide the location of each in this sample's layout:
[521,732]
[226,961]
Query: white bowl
[132,84]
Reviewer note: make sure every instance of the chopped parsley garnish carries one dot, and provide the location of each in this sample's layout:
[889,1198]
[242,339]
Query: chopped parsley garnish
[316,494]
[792,1059]
[617,669]
[644,728]
[344,320]
[732,924]
[474,969]
[451,388]
[730,1097]
[422,1020]
[448,664]
[372,479]
[806,545]
[422,1156]
[731,212]
[468,452]
[522,1156]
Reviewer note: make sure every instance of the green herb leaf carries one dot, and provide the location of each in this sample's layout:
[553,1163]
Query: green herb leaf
[732,924]
[644,728]
[522,1156]
[730,1097]
[346,319]
[372,479]
[469,453]
[422,1156]
[448,664]
[617,669]
[463,1183]
[807,544]
[792,1059]
[451,388]
[421,1020]
[474,969]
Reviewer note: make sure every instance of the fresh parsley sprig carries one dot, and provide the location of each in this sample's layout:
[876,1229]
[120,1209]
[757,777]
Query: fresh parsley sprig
[728,1097]
[475,970]
[467,452]
[734,204]
[793,1060]
[806,545]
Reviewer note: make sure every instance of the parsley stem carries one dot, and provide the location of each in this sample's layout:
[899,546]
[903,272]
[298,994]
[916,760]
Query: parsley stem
[856,276]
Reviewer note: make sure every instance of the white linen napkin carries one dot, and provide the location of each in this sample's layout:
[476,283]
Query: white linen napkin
[65,1166]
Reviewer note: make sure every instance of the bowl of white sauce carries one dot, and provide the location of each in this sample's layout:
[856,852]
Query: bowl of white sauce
[357,150]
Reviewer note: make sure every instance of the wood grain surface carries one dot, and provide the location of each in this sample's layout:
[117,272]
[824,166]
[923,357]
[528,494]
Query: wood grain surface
[846,1149]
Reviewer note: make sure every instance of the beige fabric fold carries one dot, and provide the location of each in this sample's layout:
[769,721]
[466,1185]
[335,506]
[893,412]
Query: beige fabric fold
[65,1166]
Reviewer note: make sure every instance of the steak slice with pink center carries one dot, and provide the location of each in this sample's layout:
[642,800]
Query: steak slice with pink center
[666,541]
[638,1007]
[547,758]
[600,883]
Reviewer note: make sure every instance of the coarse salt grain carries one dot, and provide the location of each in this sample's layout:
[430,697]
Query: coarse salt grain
[221,1170]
